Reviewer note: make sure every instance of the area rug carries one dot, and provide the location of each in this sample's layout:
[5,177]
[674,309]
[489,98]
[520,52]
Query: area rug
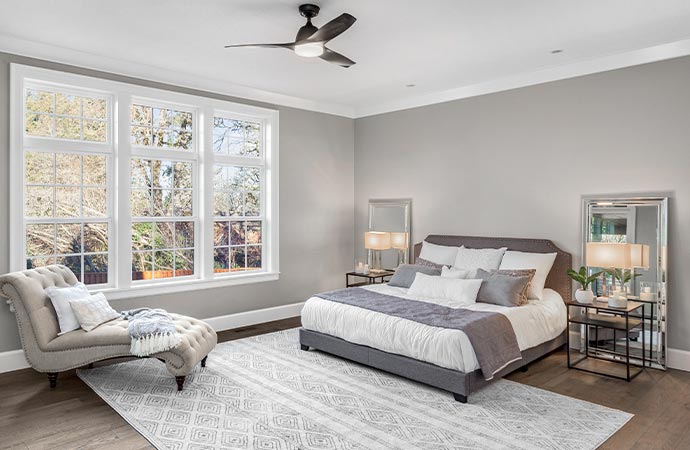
[265,393]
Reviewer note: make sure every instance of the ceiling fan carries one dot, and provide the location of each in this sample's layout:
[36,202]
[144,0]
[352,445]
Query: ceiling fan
[310,41]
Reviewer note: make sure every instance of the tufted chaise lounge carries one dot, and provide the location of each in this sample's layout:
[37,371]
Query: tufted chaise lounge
[49,353]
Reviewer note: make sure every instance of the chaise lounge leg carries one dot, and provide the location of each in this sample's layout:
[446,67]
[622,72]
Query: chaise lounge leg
[524,368]
[180,382]
[304,347]
[52,379]
[460,398]
[203,361]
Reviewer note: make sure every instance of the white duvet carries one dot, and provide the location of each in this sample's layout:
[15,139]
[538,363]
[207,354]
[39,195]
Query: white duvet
[534,324]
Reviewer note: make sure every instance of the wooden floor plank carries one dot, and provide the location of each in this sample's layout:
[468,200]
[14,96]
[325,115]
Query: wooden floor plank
[33,416]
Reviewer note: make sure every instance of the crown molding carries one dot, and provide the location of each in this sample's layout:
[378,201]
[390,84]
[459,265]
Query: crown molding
[48,52]
[571,70]
[63,55]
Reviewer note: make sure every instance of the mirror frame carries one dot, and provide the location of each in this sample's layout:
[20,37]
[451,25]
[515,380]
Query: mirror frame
[661,202]
[405,203]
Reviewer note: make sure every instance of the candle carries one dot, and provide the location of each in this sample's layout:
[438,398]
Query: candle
[648,289]
[366,269]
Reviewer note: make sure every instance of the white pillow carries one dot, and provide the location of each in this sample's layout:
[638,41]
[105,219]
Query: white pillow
[451,272]
[541,262]
[60,298]
[439,254]
[451,292]
[93,311]
[479,258]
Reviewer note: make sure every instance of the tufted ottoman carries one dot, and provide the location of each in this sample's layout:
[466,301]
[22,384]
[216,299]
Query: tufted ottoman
[49,353]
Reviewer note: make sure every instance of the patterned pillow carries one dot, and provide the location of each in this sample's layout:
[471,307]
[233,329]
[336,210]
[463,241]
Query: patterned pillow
[425,263]
[93,311]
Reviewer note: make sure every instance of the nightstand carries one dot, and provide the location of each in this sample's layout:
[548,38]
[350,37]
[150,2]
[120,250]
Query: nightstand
[371,278]
[619,320]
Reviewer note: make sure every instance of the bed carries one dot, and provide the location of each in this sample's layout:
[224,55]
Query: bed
[438,356]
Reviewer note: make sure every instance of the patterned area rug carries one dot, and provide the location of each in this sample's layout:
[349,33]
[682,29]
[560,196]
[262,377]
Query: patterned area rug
[265,393]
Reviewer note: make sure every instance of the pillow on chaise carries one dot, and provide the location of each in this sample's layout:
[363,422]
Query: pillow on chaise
[93,311]
[60,298]
[450,292]
[479,258]
[503,289]
[438,254]
[541,262]
[405,274]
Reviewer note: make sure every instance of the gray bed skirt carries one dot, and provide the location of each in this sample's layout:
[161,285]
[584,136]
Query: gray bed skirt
[460,384]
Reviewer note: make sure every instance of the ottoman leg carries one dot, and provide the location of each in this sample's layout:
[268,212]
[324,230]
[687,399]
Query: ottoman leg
[203,361]
[52,379]
[180,383]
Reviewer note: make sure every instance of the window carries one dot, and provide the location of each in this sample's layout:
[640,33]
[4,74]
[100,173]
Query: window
[135,188]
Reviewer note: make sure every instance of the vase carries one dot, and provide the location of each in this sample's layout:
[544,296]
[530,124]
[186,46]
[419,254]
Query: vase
[584,296]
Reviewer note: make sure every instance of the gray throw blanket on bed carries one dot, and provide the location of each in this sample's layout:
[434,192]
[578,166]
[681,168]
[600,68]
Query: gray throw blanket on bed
[491,334]
[151,331]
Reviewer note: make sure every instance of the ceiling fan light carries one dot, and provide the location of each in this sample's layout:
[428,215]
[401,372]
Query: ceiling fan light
[310,50]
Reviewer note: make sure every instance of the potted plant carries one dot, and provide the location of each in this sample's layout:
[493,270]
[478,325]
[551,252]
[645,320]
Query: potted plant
[584,294]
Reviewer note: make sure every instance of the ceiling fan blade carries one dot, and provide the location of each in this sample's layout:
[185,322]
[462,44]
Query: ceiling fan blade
[333,28]
[336,58]
[288,45]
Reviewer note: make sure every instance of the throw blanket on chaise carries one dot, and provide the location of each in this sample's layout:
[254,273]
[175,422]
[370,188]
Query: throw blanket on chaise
[151,330]
[490,333]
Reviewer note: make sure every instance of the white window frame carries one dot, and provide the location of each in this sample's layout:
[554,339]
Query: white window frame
[122,96]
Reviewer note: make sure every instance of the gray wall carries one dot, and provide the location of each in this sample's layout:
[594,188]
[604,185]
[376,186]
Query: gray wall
[316,204]
[515,163]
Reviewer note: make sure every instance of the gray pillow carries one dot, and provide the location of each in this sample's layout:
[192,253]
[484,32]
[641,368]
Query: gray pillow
[501,288]
[405,273]
[425,263]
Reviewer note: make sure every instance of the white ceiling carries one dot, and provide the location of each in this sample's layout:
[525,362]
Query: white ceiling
[447,48]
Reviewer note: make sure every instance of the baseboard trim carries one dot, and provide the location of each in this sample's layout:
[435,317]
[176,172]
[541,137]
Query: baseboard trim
[678,359]
[247,318]
[14,359]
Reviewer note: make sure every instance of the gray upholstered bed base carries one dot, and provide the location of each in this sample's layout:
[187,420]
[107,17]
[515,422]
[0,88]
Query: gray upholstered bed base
[460,384]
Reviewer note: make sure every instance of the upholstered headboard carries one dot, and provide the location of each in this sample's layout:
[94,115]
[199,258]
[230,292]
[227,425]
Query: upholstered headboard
[557,279]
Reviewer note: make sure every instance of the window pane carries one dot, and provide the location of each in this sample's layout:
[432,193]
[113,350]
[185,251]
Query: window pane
[95,269]
[33,263]
[162,173]
[252,207]
[184,263]
[183,175]
[142,236]
[68,105]
[162,127]
[95,130]
[221,262]
[67,201]
[141,203]
[237,258]
[68,128]
[236,137]
[184,234]
[39,124]
[253,257]
[164,235]
[141,115]
[237,233]
[40,101]
[95,237]
[68,238]
[163,264]
[73,262]
[39,201]
[95,202]
[38,168]
[40,239]
[95,169]
[141,136]
[182,202]
[221,235]
[141,173]
[95,108]
[68,169]
[162,202]
[142,266]
[220,203]
[253,232]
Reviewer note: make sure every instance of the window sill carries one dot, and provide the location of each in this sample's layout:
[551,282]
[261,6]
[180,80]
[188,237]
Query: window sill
[187,285]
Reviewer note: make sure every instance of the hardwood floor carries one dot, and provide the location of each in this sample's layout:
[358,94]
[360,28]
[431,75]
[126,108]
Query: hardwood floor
[33,416]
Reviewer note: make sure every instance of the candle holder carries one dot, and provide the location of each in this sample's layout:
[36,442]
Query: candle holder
[649,291]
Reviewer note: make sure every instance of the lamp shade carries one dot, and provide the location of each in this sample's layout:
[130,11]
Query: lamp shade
[639,256]
[377,240]
[399,240]
[608,255]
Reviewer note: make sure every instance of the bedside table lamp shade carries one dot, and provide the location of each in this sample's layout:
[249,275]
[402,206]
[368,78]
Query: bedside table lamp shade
[400,242]
[608,255]
[375,241]
[639,256]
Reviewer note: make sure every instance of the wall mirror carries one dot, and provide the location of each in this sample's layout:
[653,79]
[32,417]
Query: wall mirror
[392,216]
[632,220]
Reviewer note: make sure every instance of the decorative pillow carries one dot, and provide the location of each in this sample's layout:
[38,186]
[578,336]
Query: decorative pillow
[479,258]
[405,274]
[438,254]
[451,292]
[451,272]
[504,289]
[60,298]
[424,262]
[93,311]
[541,262]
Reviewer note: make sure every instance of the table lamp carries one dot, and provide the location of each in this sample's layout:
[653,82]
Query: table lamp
[610,255]
[400,242]
[374,242]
